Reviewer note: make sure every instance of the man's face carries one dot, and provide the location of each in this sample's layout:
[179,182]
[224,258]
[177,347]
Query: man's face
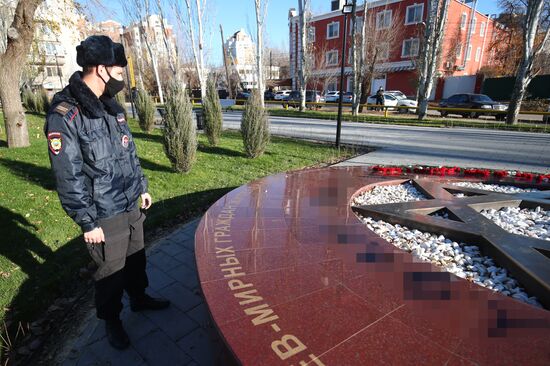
[108,72]
[115,71]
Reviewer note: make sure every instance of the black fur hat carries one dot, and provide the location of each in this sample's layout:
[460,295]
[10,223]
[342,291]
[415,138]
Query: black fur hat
[96,50]
[120,57]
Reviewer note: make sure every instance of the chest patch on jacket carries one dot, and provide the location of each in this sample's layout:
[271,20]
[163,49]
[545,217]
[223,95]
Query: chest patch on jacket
[125,141]
[54,142]
[120,119]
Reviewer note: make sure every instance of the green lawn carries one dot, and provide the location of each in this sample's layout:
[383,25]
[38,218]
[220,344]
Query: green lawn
[41,248]
[394,119]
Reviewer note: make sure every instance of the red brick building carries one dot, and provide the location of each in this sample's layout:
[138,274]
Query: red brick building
[465,50]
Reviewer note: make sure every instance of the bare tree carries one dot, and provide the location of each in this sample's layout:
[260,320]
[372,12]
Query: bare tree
[19,38]
[533,26]
[192,20]
[303,10]
[358,44]
[7,8]
[431,51]
[171,58]
[139,11]
[261,13]
[377,46]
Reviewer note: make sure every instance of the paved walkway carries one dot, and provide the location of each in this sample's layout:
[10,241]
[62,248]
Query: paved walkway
[181,335]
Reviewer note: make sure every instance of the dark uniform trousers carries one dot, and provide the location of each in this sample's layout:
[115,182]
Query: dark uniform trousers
[121,262]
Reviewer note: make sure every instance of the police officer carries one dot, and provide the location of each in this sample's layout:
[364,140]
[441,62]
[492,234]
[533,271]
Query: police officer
[380,97]
[99,180]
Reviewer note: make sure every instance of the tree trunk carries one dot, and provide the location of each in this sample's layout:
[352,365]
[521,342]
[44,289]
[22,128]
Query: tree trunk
[19,35]
[153,60]
[358,60]
[435,29]
[203,76]
[525,71]
[302,74]
[17,132]
[260,50]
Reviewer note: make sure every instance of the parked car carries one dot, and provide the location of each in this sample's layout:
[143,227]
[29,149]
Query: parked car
[481,102]
[269,95]
[397,93]
[223,93]
[312,96]
[395,99]
[332,96]
[242,97]
[282,94]
[347,97]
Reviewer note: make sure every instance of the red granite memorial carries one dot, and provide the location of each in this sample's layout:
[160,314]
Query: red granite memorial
[311,267]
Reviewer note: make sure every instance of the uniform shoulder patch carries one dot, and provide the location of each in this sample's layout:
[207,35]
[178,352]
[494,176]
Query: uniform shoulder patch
[54,142]
[66,109]
[63,108]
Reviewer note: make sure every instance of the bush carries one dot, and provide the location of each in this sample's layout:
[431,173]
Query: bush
[121,99]
[254,126]
[212,114]
[27,99]
[145,111]
[180,134]
[45,101]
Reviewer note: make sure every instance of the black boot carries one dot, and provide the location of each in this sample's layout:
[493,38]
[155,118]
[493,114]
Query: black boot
[116,334]
[146,302]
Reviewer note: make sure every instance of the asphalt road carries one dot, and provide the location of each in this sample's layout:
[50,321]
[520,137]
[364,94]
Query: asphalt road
[463,147]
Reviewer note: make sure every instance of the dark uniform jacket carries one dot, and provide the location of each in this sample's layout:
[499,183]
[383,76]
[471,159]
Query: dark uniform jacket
[92,154]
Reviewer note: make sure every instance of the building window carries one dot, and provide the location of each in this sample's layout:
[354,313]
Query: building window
[333,30]
[384,51]
[469,53]
[459,51]
[311,34]
[49,48]
[474,24]
[478,54]
[331,58]
[332,86]
[410,47]
[53,71]
[463,20]
[383,19]
[350,55]
[414,14]
[482,29]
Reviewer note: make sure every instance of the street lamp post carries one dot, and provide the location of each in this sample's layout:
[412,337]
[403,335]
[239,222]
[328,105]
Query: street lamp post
[346,9]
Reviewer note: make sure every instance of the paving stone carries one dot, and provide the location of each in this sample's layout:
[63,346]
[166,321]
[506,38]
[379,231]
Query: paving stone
[157,348]
[158,279]
[83,358]
[136,324]
[163,261]
[98,333]
[181,297]
[201,315]
[108,355]
[187,257]
[189,245]
[202,350]
[181,235]
[172,321]
[172,248]
[186,276]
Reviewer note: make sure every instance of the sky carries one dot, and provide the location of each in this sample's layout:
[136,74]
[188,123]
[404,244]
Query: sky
[236,14]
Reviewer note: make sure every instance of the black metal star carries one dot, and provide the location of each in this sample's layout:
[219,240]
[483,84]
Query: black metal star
[526,258]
